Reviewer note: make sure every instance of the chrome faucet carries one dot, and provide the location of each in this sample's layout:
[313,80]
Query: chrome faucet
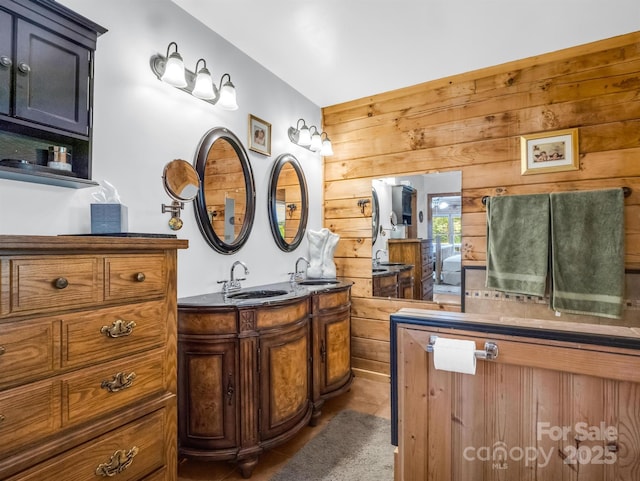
[297,274]
[234,284]
[376,260]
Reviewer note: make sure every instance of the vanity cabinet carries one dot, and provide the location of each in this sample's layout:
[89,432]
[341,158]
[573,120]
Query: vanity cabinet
[245,379]
[331,326]
[385,284]
[251,375]
[416,252]
[46,89]
[87,358]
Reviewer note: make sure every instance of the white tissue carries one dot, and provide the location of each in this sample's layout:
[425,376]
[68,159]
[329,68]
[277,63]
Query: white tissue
[107,194]
[454,355]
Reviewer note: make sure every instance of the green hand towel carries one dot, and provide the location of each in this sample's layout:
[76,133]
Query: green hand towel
[518,243]
[587,252]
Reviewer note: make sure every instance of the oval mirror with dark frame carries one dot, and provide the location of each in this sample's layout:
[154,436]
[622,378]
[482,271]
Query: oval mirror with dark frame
[288,202]
[225,208]
[375,215]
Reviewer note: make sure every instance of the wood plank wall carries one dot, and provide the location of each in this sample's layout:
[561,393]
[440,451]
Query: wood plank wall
[473,122]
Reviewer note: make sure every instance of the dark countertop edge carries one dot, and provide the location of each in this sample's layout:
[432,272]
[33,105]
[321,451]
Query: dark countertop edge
[295,291]
[391,269]
[609,336]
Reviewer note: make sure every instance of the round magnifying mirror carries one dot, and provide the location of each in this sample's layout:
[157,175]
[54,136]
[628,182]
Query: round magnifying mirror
[393,218]
[181,180]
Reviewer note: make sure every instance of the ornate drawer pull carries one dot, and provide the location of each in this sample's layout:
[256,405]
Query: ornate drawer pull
[2,418]
[120,461]
[140,277]
[2,350]
[119,328]
[120,381]
[60,283]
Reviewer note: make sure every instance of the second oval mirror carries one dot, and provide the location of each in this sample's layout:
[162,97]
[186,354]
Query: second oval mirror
[288,202]
[226,205]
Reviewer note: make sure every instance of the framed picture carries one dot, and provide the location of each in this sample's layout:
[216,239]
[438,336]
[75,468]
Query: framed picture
[259,135]
[550,152]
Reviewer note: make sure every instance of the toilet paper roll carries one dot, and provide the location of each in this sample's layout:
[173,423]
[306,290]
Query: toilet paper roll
[454,355]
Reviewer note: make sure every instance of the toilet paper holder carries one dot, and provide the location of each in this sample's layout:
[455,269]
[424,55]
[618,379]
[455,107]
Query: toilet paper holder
[490,352]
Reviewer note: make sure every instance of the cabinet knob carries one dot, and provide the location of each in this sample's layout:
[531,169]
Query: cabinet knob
[24,67]
[140,277]
[61,283]
[5,61]
[2,418]
[2,350]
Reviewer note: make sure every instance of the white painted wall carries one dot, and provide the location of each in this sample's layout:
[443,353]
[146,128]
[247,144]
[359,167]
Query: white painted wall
[140,124]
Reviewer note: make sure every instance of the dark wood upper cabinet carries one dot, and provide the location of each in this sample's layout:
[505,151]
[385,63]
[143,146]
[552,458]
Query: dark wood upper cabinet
[46,90]
[52,79]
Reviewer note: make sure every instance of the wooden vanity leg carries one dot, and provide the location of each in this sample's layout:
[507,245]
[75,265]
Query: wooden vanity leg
[246,466]
[316,413]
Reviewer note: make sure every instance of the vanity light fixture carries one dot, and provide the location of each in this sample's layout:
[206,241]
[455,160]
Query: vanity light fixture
[310,138]
[170,69]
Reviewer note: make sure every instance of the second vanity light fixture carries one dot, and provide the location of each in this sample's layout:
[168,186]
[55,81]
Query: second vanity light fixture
[171,70]
[310,138]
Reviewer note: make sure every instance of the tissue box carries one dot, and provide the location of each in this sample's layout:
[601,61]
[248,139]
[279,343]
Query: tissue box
[108,218]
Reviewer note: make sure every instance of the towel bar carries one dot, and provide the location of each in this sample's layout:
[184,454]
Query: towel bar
[625,190]
[490,352]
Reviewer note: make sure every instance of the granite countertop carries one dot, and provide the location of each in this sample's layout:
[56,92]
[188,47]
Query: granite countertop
[290,291]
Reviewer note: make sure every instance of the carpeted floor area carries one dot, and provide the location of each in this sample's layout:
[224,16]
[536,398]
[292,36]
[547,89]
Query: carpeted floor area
[354,446]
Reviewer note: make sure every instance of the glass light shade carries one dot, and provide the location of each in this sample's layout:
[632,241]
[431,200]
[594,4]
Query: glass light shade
[204,85]
[304,136]
[316,142]
[174,71]
[227,100]
[327,148]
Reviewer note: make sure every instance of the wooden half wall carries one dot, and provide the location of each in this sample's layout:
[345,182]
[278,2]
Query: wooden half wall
[473,122]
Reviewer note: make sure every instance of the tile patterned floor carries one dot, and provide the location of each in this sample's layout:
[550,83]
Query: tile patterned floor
[371,397]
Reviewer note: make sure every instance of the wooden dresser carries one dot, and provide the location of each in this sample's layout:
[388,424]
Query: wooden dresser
[88,358]
[416,252]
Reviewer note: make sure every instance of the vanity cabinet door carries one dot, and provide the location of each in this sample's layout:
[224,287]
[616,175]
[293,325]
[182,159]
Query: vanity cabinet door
[285,379]
[6,36]
[334,350]
[52,79]
[207,394]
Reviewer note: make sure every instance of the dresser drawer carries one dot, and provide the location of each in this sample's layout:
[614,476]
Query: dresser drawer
[127,454]
[28,413]
[28,350]
[330,300]
[112,386]
[88,338]
[47,283]
[135,277]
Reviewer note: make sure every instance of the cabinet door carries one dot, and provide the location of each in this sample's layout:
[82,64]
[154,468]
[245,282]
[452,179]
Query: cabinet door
[6,36]
[207,394]
[334,350]
[52,79]
[285,379]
